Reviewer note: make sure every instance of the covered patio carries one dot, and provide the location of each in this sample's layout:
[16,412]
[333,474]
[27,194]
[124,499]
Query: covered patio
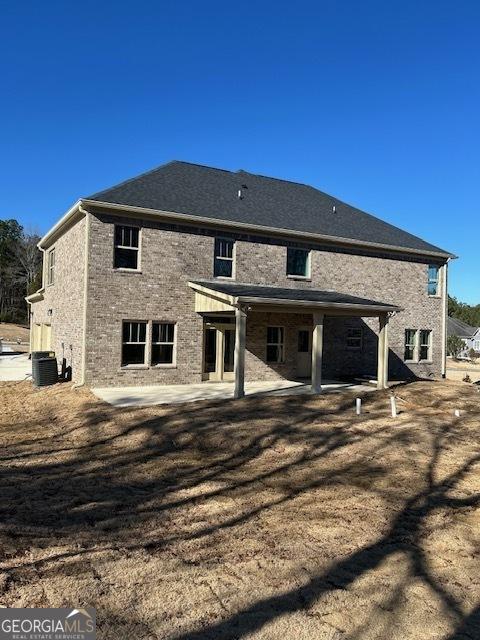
[218,297]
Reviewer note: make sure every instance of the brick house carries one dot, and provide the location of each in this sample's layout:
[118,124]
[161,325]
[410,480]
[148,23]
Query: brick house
[189,273]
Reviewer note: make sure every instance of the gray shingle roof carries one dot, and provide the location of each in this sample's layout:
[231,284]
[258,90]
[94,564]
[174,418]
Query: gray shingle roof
[196,190]
[456,327]
[247,291]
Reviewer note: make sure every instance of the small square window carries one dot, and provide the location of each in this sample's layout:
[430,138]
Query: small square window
[298,262]
[223,258]
[126,247]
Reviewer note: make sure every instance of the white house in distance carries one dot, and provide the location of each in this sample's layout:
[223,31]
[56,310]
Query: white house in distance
[469,335]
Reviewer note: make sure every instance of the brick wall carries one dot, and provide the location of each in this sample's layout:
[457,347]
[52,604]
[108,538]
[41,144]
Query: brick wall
[65,298]
[171,255]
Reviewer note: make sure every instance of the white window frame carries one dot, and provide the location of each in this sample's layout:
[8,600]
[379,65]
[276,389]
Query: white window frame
[280,344]
[216,257]
[357,337]
[308,274]
[428,345]
[138,365]
[435,281]
[413,344]
[131,248]
[51,267]
[165,365]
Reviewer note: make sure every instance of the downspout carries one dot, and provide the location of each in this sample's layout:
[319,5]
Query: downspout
[444,317]
[85,294]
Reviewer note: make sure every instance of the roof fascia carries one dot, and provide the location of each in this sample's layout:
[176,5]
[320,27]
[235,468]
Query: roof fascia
[349,306]
[127,210]
[71,216]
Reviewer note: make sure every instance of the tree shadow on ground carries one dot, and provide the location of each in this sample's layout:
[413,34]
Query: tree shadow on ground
[134,480]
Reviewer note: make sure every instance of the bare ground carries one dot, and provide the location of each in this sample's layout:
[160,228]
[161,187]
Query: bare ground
[457,369]
[268,518]
[14,332]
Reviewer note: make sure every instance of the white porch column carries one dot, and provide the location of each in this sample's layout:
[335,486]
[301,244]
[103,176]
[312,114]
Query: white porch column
[382,367]
[317,352]
[239,362]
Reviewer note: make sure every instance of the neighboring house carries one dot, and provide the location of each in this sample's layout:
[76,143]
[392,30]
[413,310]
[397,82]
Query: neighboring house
[189,273]
[470,335]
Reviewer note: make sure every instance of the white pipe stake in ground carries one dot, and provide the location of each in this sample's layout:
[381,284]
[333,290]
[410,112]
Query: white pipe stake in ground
[358,404]
[393,405]
[457,413]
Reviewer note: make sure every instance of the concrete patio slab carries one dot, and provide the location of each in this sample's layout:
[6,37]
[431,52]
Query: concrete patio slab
[14,367]
[179,393]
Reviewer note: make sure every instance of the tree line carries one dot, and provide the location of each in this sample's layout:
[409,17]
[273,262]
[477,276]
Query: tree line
[20,270]
[463,311]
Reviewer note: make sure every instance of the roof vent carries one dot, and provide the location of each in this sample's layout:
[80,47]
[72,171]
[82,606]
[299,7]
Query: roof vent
[240,194]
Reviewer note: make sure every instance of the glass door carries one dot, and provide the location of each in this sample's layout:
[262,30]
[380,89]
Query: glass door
[228,353]
[219,351]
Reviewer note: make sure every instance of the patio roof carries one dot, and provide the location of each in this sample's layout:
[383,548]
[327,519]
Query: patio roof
[233,293]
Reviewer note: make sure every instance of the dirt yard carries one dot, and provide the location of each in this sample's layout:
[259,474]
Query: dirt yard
[266,518]
[15,335]
[457,369]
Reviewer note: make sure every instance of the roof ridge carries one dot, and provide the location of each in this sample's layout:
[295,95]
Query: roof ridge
[260,175]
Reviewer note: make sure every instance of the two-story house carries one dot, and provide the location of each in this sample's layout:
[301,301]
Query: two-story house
[189,273]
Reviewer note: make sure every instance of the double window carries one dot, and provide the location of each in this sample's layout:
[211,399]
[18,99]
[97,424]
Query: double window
[223,259]
[418,345]
[51,266]
[275,344]
[298,262]
[126,247]
[433,280]
[135,343]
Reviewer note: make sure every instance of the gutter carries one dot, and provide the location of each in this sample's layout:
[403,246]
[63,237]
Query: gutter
[215,222]
[124,209]
[235,301]
[309,303]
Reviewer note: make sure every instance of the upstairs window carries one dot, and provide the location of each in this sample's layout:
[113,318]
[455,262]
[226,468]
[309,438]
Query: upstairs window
[223,259]
[433,279]
[275,344]
[410,344]
[163,343]
[51,266]
[354,338]
[298,262]
[425,344]
[134,342]
[126,247]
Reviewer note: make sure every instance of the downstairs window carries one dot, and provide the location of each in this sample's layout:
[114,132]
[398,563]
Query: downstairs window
[134,342]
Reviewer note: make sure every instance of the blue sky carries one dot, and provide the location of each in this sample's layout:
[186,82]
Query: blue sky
[375,102]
